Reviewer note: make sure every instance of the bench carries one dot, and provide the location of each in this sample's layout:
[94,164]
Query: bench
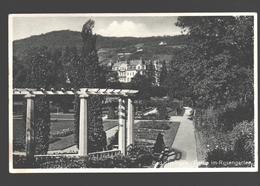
[162,157]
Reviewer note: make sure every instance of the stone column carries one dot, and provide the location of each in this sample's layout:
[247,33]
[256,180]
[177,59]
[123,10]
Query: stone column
[30,142]
[121,127]
[130,122]
[83,125]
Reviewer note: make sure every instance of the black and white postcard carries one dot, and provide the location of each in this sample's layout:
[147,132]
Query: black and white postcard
[133,92]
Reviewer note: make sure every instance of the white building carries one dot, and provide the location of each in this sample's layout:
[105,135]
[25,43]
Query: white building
[128,69]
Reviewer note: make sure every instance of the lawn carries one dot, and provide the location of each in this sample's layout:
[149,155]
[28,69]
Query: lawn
[62,116]
[63,143]
[56,126]
[110,124]
[19,130]
[60,125]
[151,131]
[169,135]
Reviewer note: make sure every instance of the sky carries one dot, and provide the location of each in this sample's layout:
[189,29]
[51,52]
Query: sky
[119,25]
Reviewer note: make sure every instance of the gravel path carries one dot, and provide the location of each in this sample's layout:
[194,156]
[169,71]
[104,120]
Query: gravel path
[184,142]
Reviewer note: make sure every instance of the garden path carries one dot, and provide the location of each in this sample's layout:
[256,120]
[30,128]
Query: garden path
[151,112]
[184,142]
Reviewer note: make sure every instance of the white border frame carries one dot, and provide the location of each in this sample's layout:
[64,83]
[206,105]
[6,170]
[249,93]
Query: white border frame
[119,170]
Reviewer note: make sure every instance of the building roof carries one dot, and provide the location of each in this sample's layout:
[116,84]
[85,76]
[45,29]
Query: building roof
[117,64]
[135,62]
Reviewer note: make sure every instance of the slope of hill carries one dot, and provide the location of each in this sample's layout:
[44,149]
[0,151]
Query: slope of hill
[108,46]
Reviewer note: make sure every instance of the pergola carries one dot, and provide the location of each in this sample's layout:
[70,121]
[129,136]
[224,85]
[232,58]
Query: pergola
[84,93]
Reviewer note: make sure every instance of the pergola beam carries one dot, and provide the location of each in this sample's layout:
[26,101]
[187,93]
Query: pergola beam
[88,91]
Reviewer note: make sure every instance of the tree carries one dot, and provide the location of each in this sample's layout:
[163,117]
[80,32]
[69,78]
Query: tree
[163,74]
[217,65]
[150,73]
[218,58]
[19,73]
[143,84]
[39,77]
[88,75]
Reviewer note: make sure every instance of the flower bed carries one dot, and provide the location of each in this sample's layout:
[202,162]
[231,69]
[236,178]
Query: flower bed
[163,125]
[150,129]
[144,133]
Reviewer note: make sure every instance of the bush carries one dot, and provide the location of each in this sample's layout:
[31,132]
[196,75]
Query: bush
[162,112]
[236,146]
[138,156]
[159,145]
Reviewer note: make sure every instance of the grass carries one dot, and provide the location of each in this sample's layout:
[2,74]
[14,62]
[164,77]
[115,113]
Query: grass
[62,116]
[63,143]
[109,124]
[19,131]
[200,147]
[60,125]
[151,133]
[169,135]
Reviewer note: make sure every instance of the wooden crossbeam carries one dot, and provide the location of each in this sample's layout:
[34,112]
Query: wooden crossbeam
[82,91]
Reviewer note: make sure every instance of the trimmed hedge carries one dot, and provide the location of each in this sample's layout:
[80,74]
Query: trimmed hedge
[138,156]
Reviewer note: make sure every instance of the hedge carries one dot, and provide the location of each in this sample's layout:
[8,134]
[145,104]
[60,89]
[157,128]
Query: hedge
[138,156]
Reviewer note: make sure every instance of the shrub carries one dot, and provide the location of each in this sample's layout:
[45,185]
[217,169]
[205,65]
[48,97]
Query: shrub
[162,112]
[138,156]
[159,145]
[235,146]
[24,162]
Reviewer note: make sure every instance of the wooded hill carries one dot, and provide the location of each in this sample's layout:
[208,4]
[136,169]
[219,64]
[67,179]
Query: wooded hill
[108,47]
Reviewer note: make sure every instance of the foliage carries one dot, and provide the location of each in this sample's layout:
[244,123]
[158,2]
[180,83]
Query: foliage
[215,71]
[217,61]
[40,77]
[42,125]
[111,109]
[143,84]
[162,112]
[237,145]
[55,40]
[19,72]
[150,73]
[159,145]
[163,75]
[138,156]
[87,74]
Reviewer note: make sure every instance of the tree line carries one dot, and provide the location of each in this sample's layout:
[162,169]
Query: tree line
[214,71]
